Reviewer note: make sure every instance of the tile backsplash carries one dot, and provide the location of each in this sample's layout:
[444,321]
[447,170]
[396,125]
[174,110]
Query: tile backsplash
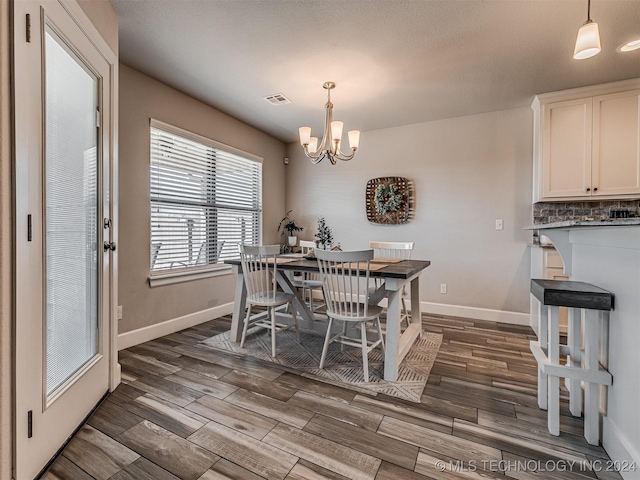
[558,212]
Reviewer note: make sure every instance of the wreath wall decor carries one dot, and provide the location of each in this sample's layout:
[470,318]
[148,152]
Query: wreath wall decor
[389,200]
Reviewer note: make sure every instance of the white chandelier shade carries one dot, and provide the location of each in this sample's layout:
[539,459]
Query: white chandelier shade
[329,146]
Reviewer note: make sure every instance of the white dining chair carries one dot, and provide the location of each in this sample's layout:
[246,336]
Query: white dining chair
[394,250]
[345,280]
[308,281]
[260,271]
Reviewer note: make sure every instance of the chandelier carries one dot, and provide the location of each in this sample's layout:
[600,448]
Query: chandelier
[329,146]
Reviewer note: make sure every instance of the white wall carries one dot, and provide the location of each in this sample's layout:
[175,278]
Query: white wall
[468,172]
[142,97]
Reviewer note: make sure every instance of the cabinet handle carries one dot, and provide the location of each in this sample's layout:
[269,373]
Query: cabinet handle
[595,189]
[588,189]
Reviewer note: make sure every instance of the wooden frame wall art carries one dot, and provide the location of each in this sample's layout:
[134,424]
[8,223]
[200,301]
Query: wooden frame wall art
[389,200]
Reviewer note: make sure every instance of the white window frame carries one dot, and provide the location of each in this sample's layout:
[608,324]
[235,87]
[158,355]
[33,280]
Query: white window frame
[166,277]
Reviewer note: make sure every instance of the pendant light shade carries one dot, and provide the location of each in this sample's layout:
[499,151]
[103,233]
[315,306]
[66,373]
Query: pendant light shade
[588,41]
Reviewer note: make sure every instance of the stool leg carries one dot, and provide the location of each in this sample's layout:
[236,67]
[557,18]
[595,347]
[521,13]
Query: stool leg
[591,413]
[553,412]
[543,318]
[603,357]
[575,387]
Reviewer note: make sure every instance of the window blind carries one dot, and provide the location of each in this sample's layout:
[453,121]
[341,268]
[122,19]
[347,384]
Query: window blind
[206,199]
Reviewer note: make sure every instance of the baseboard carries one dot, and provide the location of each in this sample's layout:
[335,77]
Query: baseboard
[502,316]
[144,334]
[620,449]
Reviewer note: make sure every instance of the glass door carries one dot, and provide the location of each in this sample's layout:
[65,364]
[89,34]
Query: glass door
[64,332]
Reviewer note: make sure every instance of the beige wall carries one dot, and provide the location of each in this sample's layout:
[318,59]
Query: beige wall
[104,18]
[142,97]
[468,172]
[6,242]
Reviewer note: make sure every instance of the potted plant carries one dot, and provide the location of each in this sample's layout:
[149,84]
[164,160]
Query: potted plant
[289,225]
[324,235]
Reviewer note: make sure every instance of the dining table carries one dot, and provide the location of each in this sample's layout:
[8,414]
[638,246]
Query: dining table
[394,275]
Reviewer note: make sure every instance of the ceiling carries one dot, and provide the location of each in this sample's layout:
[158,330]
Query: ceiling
[395,62]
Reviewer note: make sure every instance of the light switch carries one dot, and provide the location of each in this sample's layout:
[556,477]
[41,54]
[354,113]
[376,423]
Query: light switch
[499,224]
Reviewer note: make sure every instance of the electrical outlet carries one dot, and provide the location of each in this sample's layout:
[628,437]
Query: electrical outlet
[443,288]
[499,224]
[119,312]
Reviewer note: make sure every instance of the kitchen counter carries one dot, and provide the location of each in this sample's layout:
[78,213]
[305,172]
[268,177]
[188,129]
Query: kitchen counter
[606,253]
[607,222]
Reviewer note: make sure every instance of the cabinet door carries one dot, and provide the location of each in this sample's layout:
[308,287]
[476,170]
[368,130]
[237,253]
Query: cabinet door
[616,144]
[567,148]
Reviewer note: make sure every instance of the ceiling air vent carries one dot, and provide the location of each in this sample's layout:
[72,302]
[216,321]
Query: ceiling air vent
[277,99]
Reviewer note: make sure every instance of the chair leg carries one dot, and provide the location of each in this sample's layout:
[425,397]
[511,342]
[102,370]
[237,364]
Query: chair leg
[273,331]
[380,335]
[295,321]
[244,328]
[344,334]
[326,344]
[365,349]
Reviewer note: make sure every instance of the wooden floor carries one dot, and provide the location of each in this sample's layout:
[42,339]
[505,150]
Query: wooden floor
[185,412]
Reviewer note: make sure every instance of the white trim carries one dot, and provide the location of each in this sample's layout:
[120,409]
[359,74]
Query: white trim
[582,92]
[171,277]
[619,448]
[514,318]
[151,332]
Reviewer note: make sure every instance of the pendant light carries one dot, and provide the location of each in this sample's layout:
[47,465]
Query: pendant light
[588,41]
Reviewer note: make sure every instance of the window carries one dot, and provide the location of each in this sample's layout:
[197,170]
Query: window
[206,198]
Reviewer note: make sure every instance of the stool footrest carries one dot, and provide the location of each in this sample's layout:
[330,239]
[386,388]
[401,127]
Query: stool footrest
[600,376]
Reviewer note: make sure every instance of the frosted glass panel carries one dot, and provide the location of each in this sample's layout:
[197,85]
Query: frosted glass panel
[71,214]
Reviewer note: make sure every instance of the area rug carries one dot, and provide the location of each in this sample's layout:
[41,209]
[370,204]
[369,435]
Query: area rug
[341,368]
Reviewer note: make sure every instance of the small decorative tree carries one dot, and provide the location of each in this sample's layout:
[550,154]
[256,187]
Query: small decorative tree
[324,235]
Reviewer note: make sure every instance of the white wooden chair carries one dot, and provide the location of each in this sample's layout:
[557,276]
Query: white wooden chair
[259,267]
[345,280]
[308,282]
[394,250]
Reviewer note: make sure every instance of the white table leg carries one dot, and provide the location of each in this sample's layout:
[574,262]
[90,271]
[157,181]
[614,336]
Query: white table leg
[553,412]
[543,319]
[300,305]
[573,340]
[416,314]
[391,362]
[238,308]
[591,413]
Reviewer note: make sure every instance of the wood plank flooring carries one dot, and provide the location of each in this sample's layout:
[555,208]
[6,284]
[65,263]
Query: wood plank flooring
[186,412]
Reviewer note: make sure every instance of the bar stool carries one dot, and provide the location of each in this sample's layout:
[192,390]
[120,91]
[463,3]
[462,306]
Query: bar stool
[588,365]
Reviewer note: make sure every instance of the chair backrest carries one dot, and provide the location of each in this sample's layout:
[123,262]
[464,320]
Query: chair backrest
[259,268]
[307,246]
[392,249]
[345,280]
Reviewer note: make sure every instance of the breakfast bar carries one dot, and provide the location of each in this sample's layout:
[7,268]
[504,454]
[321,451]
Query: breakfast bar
[606,253]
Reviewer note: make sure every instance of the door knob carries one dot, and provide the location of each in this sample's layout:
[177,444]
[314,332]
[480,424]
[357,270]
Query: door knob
[110,246]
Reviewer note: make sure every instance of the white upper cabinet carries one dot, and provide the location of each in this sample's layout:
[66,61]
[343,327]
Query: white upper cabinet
[616,144]
[587,145]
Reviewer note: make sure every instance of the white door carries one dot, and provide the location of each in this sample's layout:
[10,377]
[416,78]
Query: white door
[62,104]
[567,148]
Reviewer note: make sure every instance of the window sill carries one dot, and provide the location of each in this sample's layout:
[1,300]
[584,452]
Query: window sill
[169,278]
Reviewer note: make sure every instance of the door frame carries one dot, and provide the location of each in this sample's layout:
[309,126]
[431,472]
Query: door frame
[20,191]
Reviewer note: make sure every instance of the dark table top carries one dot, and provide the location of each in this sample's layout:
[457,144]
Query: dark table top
[404,269]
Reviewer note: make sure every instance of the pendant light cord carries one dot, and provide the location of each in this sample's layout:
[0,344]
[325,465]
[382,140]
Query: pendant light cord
[588,11]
